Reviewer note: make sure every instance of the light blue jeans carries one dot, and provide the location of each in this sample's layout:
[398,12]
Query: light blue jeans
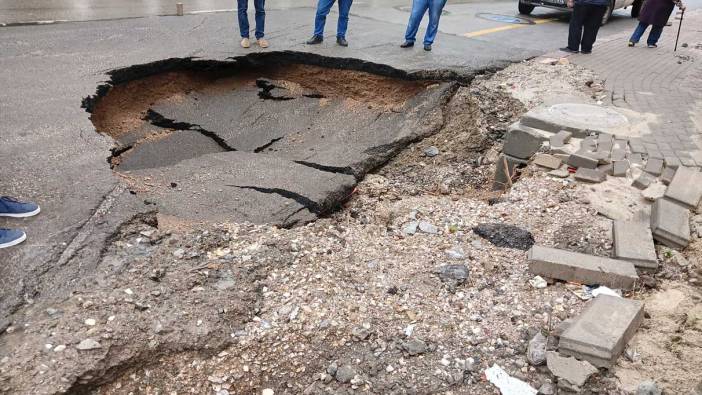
[419,8]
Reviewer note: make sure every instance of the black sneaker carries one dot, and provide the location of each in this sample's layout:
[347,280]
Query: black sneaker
[342,41]
[427,47]
[566,49]
[315,40]
[407,44]
[585,52]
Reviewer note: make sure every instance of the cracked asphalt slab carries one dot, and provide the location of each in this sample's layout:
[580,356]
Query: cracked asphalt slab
[52,154]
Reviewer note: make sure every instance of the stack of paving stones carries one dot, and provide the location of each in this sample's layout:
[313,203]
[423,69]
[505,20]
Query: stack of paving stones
[599,335]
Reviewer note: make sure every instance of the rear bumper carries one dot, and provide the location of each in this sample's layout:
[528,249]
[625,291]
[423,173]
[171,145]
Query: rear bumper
[548,4]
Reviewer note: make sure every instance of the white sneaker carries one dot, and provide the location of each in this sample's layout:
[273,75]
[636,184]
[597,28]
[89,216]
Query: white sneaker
[245,43]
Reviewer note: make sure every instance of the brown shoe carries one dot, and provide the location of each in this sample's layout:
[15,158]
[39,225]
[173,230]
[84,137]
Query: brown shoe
[262,42]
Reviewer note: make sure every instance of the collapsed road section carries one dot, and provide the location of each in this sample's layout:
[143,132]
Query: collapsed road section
[260,139]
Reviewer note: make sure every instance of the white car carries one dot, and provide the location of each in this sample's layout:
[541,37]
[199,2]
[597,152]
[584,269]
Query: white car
[527,6]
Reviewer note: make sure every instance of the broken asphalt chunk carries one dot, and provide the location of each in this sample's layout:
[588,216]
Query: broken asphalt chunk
[600,334]
[581,268]
[670,223]
[686,187]
[506,236]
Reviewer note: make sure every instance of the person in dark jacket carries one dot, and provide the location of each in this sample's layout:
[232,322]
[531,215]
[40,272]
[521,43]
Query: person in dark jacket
[654,13]
[585,22]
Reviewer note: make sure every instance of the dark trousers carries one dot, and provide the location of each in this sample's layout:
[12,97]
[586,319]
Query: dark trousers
[584,25]
[242,8]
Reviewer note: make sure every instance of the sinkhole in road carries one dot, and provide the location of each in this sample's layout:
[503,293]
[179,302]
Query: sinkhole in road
[277,138]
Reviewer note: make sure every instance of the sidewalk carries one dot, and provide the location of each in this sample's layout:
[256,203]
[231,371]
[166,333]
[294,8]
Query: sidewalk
[658,81]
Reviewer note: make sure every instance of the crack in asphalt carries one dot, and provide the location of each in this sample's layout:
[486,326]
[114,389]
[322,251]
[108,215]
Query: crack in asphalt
[159,120]
[268,144]
[306,202]
[330,169]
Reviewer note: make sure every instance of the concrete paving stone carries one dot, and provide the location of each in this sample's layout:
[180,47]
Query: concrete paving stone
[601,332]
[653,154]
[560,139]
[504,173]
[588,144]
[635,158]
[606,169]
[620,168]
[651,146]
[633,242]
[654,166]
[590,175]
[522,143]
[605,146]
[638,148]
[672,162]
[670,223]
[682,154]
[548,161]
[583,159]
[643,181]
[581,268]
[667,175]
[686,187]
[688,162]
[618,154]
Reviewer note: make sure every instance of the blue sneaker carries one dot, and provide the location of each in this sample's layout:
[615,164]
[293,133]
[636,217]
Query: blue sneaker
[11,237]
[10,207]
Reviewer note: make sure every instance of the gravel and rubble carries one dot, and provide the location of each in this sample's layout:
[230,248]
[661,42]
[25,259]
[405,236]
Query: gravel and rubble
[354,303]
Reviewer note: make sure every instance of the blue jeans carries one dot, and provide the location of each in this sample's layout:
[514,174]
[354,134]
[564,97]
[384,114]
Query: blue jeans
[653,36]
[323,8]
[419,8]
[243,6]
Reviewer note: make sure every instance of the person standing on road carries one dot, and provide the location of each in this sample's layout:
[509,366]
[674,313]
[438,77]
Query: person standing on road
[323,8]
[242,10]
[10,207]
[656,14]
[585,22]
[419,8]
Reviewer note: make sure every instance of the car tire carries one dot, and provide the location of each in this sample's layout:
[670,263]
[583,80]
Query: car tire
[636,8]
[608,13]
[525,9]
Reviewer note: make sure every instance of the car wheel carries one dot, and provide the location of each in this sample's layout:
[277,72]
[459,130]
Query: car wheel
[608,13]
[636,8]
[525,9]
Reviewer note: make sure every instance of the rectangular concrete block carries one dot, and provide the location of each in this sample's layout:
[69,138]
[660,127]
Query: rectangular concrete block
[654,166]
[618,154]
[505,170]
[620,168]
[670,223]
[667,175]
[548,161]
[633,242]
[522,143]
[686,187]
[600,334]
[581,268]
[582,159]
[634,158]
[590,175]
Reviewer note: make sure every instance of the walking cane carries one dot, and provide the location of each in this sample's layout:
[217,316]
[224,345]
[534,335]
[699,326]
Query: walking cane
[682,14]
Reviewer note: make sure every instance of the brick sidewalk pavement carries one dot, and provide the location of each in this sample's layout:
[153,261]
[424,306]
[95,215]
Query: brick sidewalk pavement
[657,81]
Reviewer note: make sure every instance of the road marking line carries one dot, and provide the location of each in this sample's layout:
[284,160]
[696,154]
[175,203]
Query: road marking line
[506,27]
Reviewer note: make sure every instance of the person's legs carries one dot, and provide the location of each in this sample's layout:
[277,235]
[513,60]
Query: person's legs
[242,8]
[323,8]
[343,24]
[638,32]
[654,35]
[419,8]
[260,6]
[435,8]
[575,29]
[592,24]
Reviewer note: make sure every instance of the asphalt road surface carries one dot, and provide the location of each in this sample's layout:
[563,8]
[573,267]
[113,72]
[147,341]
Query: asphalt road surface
[50,152]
